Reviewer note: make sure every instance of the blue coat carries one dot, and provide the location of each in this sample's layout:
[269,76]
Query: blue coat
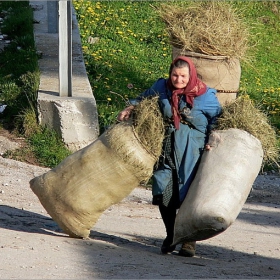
[189,141]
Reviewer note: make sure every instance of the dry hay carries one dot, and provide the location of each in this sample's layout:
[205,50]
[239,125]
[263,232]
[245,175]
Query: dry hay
[207,27]
[143,131]
[148,125]
[243,114]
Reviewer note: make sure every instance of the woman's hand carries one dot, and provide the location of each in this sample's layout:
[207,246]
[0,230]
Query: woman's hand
[125,113]
[207,147]
[213,142]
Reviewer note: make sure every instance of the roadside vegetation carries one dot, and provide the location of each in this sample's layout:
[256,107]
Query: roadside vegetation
[126,48]
[19,83]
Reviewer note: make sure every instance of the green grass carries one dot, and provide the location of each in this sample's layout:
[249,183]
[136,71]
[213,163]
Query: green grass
[19,83]
[261,79]
[20,55]
[18,58]
[132,51]
[48,147]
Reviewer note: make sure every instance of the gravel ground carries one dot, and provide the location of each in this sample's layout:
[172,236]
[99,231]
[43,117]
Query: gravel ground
[125,242]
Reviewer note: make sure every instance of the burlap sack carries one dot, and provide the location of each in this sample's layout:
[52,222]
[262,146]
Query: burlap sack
[219,72]
[222,184]
[86,183]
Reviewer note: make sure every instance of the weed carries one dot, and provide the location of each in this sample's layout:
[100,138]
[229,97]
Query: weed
[48,147]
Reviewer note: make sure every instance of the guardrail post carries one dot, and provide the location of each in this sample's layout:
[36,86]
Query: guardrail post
[65,47]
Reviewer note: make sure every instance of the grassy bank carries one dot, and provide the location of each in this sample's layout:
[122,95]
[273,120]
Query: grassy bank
[126,49]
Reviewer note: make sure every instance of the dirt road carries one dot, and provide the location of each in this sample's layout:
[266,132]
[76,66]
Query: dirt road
[125,242]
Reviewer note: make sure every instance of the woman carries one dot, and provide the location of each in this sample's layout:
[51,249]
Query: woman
[189,108]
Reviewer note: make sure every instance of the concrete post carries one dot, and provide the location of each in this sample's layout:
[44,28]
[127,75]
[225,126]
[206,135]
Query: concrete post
[74,118]
[65,48]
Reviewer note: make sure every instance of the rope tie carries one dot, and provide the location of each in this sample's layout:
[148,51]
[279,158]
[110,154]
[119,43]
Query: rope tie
[227,91]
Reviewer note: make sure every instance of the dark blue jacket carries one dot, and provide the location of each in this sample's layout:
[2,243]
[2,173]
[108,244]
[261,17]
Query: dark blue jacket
[189,139]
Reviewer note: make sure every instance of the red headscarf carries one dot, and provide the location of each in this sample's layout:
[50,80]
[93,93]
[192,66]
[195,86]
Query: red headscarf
[195,87]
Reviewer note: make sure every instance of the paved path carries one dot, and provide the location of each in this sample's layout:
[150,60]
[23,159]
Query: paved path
[125,242]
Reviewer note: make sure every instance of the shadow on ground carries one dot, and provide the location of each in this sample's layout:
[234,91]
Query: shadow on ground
[21,220]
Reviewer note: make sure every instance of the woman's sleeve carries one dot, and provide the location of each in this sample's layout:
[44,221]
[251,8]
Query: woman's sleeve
[212,107]
[154,90]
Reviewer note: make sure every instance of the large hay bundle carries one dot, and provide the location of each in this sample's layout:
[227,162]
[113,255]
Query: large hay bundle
[86,183]
[207,27]
[214,36]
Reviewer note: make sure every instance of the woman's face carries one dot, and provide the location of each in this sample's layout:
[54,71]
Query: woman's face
[180,77]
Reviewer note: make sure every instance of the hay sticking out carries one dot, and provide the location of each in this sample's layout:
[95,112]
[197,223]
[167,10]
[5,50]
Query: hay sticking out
[207,27]
[124,143]
[138,141]
[243,114]
[148,125]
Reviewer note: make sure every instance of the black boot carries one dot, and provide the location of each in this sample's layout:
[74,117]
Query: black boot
[166,246]
[168,215]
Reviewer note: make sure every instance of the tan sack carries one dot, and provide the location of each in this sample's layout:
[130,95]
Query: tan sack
[81,187]
[221,186]
[219,72]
